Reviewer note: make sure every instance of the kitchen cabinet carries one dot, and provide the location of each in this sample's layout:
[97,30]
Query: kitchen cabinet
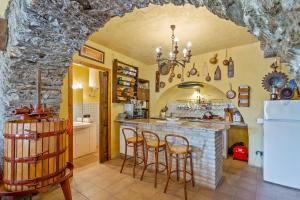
[84,141]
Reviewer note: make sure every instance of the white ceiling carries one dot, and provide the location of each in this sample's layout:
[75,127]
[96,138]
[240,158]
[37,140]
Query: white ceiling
[137,34]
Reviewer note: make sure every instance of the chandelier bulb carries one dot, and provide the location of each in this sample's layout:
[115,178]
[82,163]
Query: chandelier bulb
[158,49]
[176,39]
[184,51]
[189,45]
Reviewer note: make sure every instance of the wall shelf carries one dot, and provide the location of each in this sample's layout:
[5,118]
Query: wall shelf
[123,72]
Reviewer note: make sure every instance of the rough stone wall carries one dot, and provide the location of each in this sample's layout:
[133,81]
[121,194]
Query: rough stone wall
[45,33]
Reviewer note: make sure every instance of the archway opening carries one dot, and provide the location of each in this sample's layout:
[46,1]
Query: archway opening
[150,27]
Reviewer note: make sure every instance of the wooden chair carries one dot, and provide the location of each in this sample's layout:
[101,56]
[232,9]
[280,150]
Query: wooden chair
[179,148]
[134,141]
[154,144]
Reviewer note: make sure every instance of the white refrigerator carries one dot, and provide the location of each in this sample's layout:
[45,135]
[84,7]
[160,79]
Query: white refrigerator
[282,142]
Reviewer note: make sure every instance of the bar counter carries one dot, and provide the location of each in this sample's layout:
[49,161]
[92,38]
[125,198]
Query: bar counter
[205,140]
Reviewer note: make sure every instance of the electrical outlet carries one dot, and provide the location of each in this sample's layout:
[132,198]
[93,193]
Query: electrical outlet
[259,153]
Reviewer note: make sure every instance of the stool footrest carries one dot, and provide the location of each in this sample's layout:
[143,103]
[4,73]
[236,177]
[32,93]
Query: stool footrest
[182,182]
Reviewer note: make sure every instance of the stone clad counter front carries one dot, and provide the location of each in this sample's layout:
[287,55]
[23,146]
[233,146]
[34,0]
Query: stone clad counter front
[205,141]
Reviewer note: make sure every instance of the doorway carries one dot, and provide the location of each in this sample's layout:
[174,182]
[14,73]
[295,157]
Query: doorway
[97,113]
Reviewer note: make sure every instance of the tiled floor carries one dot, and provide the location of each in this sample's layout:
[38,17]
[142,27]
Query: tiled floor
[104,182]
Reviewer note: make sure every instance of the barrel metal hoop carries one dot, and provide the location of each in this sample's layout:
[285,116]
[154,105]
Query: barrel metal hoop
[33,135]
[34,159]
[34,182]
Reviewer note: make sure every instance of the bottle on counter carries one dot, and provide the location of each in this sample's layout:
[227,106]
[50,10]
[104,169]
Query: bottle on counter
[237,116]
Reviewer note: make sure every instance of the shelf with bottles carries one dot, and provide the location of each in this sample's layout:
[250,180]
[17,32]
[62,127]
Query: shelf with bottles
[125,78]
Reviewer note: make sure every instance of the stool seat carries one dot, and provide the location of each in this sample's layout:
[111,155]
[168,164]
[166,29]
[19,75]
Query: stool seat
[153,143]
[135,139]
[179,149]
[133,142]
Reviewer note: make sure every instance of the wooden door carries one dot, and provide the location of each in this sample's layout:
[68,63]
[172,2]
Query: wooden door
[103,114]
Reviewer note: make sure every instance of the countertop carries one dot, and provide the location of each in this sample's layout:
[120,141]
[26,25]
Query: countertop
[179,124]
[213,121]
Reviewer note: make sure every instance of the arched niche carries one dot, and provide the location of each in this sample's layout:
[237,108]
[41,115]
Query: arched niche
[173,93]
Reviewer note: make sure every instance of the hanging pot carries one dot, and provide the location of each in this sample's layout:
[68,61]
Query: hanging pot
[214,59]
[188,74]
[193,71]
[162,84]
[208,78]
[226,61]
[230,94]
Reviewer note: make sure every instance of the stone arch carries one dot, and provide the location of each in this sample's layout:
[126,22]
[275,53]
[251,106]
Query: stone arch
[45,33]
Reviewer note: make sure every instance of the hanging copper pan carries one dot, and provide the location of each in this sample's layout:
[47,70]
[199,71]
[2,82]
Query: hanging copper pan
[230,94]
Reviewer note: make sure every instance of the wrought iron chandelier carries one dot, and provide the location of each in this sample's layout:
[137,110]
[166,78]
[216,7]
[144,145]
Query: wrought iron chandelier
[173,60]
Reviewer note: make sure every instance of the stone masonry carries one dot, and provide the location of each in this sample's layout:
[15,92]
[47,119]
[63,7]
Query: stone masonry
[44,34]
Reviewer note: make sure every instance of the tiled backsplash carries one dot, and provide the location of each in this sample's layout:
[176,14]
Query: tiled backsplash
[191,109]
[91,109]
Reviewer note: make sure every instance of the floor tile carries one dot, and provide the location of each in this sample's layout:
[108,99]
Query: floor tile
[94,181]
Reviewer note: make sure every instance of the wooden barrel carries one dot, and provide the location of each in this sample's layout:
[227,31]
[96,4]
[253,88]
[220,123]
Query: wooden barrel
[35,154]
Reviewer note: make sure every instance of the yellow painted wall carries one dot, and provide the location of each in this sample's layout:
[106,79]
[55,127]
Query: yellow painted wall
[3,6]
[81,75]
[116,108]
[250,67]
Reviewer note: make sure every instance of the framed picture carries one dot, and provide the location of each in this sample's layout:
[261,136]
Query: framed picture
[92,53]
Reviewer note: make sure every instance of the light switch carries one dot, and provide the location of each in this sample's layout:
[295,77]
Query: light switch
[260,121]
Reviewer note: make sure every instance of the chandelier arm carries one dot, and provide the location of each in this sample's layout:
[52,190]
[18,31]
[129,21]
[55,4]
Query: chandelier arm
[163,59]
[180,62]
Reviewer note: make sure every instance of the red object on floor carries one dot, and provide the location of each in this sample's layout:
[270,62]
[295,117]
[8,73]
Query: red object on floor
[240,153]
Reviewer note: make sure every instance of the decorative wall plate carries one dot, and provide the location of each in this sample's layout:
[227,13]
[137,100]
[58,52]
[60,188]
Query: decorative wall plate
[286,93]
[164,68]
[277,79]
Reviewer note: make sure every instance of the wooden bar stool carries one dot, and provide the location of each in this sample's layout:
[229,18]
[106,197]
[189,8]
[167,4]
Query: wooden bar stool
[179,148]
[132,139]
[154,144]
